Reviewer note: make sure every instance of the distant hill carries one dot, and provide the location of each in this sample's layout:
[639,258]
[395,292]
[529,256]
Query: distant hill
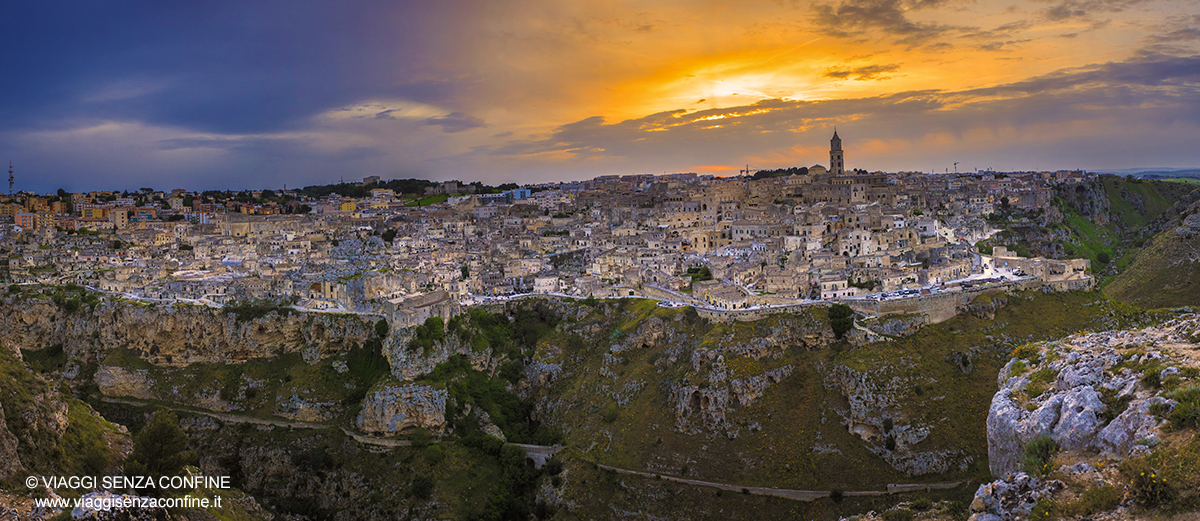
[1156,173]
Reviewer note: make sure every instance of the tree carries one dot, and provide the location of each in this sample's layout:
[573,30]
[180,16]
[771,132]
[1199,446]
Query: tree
[389,235]
[160,449]
[381,328]
[1103,257]
[1004,203]
[841,319]
[466,271]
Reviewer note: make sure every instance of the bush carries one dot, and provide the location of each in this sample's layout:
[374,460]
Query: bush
[841,319]
[434,454]
[1151,489]
[1036,457]
[160,449]
[381,328]
[1153,378]
[1027,352]
[899,514]
[1044,510]
[422,487]
[611,413]
[837,495]
[420,438]
[1093,500]
[921,504]
[1185,416]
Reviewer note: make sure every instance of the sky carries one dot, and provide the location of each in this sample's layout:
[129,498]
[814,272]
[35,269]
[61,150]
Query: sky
[272,93]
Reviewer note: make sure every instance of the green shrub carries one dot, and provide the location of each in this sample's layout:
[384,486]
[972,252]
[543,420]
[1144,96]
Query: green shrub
[434,454]
[1036,457]
[420,438]
[1093,500]
[611,413]
[1044,510]
[1151,490]
[921,504]
[1018,367]
[422,487]
[899,514]
[1028,352]
[837,495]
[1153,378]
[841,319]
[1186,414]
[160,449]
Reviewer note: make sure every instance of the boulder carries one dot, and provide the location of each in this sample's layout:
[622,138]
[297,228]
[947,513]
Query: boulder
[1119,437]
[392,408]
[1079,418]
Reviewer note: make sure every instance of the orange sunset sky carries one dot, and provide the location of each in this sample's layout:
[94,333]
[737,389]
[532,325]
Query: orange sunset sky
[231,96]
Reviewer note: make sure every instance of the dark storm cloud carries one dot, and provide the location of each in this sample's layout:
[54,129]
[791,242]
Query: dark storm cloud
[860,17]
[221,66]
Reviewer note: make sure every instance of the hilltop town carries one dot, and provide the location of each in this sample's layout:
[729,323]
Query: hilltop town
[411,249]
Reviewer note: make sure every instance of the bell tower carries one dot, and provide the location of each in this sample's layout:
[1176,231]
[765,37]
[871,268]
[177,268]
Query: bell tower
[836,165]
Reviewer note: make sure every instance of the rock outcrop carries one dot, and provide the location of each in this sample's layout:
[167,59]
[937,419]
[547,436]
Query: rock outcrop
[10,462]
[175,334]
[1068,392]
[393,408]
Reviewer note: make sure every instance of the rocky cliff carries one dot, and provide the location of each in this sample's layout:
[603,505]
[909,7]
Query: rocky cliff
[174,334]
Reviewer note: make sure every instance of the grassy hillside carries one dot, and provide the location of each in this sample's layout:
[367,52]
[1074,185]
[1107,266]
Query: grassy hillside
[1166,273]
[620,409]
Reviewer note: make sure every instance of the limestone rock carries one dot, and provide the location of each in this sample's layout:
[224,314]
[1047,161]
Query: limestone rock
[392,408]
[118,381]
[1119,437]
[94,503]
[176,334]
[1011,498]
[1079,418]
[10,463]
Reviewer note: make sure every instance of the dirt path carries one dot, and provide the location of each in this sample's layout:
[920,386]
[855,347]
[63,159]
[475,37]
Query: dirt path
[797,495]
[539,453]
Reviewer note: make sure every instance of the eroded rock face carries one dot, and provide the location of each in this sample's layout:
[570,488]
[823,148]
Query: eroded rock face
[1120,437]
[408,364]
[118,381]
[392,408]
[10,463]
[176,334]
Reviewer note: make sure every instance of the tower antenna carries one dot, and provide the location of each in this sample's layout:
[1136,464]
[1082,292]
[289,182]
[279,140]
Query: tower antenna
[10,178]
